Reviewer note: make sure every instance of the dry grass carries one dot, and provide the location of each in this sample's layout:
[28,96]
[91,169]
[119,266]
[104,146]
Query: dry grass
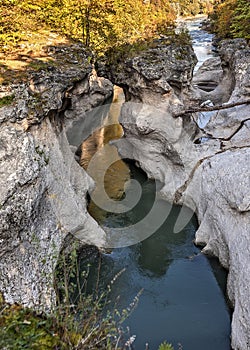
[30,55]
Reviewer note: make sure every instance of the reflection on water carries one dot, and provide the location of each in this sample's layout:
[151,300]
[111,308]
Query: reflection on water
[118,173]
[181,300]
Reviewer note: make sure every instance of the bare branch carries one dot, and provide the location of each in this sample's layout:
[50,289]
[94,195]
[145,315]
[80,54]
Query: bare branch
[210,109]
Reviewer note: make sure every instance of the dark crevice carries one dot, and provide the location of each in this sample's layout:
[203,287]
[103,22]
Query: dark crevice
[211,137]
[207,86]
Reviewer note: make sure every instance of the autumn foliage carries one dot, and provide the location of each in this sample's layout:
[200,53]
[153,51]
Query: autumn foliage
[231,19]
[99,24]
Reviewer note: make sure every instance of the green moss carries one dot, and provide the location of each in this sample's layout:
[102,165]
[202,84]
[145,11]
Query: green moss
[6,100]
[38,65]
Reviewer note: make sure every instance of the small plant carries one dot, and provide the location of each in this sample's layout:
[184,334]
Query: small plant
[6,100]
[22,328]
[79,321]
[89,316]
[166,346]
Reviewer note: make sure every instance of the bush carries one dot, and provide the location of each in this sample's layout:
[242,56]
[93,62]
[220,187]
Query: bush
[166,346]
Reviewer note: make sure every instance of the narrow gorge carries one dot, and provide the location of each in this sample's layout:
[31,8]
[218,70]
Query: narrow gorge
[199,161]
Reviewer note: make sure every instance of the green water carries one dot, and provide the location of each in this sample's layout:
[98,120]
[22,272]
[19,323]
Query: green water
[182,301]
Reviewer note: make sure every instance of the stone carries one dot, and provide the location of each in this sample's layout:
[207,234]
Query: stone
[163,68]
[209,75]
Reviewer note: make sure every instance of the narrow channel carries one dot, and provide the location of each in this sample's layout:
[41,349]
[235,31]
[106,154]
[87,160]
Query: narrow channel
[182,296]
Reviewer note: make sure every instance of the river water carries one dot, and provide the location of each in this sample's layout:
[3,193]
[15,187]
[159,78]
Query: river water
[182,296]
[202,40]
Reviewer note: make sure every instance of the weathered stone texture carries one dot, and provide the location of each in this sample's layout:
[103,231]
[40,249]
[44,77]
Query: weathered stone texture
[42,188]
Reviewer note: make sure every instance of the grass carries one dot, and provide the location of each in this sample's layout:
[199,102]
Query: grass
[80,320]
[22,328]
[83,325]
[38,51]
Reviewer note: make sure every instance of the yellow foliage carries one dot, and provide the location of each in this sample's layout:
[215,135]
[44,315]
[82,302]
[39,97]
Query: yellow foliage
[99,24]
[231,19]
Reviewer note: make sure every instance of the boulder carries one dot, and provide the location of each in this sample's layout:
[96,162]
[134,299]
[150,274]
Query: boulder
[209,75]
[163,68]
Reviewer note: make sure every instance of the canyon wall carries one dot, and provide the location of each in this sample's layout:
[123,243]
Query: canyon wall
[42,188]
[205,166]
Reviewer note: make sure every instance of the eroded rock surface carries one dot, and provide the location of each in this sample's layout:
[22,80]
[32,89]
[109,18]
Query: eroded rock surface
[209,75]
[207,169]
[164,69]
[42,187]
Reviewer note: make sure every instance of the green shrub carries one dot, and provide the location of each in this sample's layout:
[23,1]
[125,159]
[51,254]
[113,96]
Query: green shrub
[231,19]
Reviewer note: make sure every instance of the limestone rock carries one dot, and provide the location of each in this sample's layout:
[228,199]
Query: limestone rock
[163,68]
[42,188]
[223,207]
[209,75]
[222,72]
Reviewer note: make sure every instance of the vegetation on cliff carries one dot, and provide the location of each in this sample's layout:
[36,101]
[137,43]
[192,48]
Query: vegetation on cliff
[231,19]
[81,320]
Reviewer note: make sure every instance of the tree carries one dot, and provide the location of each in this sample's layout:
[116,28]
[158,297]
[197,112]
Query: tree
[99,24]
[231,19]
[240,26]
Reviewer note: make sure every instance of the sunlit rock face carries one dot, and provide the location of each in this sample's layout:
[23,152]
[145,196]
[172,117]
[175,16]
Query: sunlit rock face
[164,69]
[206,168]
[42,187]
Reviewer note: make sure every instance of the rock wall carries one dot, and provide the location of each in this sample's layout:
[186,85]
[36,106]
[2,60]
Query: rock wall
[42,187]
[207,168]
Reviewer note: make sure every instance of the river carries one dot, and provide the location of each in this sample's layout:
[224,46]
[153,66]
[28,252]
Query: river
[182,292]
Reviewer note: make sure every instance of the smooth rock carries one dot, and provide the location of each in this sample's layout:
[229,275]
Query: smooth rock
[209,75]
